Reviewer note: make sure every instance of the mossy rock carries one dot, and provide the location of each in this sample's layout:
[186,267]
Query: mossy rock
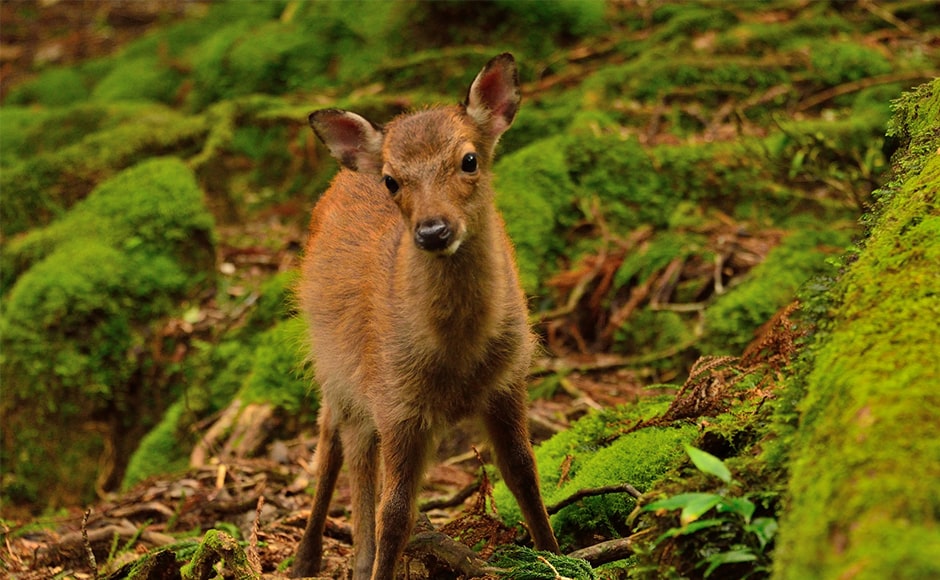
[139,79]
[862,493]
[161,451]
[56,87]
[88,296]
[79,148]
[265,363]
[534,194]
[219,547]
[835,62]
[277,376]
[503,23]
[154,208]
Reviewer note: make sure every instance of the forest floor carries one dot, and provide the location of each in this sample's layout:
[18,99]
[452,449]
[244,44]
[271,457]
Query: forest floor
[265,499]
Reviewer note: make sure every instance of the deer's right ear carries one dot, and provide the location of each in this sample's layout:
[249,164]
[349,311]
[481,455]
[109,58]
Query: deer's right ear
[353,140]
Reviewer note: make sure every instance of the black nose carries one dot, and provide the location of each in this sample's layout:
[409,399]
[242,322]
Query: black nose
[433,235]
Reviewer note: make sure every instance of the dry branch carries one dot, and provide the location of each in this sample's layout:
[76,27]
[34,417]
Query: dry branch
[443,548]
[590,492]
[604,552]
[73,547]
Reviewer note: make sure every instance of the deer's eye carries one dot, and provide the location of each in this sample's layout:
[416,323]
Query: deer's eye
[469,163]
[391,184]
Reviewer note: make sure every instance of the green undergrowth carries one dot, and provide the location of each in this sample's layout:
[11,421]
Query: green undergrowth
[862,497]
[734,317]
[85,307]
[260,363]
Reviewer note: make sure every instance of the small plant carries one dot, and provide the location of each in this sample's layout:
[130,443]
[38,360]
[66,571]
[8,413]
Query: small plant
[733,516]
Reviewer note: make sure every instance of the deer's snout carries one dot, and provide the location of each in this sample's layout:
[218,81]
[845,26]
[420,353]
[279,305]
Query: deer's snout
[436,235]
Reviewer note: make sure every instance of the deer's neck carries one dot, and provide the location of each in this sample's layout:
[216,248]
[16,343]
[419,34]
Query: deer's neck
[455,300]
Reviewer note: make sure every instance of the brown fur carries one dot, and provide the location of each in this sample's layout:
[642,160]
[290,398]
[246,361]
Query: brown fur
[406,341]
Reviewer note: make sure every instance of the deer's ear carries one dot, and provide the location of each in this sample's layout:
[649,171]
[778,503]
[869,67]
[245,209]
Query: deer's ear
[494,97]
[353,140]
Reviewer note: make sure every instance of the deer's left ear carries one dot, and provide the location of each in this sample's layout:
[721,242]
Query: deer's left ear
[494,97]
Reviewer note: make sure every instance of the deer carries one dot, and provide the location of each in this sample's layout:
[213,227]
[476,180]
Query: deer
[416,316]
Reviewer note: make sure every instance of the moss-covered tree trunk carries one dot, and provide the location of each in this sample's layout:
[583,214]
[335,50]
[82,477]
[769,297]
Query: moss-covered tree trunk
[864,501]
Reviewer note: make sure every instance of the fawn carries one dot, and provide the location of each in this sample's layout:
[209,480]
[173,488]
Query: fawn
[416,315]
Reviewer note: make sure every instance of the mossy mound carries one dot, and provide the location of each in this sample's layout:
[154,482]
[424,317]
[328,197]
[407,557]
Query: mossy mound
[80,321]
[65,153]
[591,455]
[863,498]
[262,364]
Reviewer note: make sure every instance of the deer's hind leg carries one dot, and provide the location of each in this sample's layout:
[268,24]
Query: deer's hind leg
[329,459]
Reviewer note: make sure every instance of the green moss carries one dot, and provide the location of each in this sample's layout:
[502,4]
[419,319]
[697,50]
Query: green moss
[143,79]
[619,172]
[80,312]
[55,87]
[217,546]
[760,37]
[504,23]
[160,451]
[263,362]
[276,55]
[659,72]
[41,187]
[519,563]
[639,458]
[534,193]
[726,176]
[67,344]
[862,491]
[655,331]
[837,62]
[731,321]
[684,21]
[153,208]
[277,375]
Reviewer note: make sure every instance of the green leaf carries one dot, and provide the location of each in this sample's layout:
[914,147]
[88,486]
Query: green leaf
[708,463]
[732,557]
[689,529]
[681,501]
[764,528]
[738,505]
[696,509]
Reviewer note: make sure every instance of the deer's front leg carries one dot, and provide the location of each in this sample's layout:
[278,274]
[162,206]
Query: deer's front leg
[508,427]
[404,448]
[360,443]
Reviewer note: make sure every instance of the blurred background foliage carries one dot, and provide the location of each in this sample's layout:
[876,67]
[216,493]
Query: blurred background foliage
[677,172]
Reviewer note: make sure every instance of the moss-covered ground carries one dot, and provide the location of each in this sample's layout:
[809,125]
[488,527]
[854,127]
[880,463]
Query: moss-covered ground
[863,493]
[678,174]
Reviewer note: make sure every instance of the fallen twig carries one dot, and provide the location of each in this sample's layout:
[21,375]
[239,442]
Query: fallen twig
[254,559]
[455,555]
[590,492]
[609,551]
[865,83]
[89,553]
[453,501]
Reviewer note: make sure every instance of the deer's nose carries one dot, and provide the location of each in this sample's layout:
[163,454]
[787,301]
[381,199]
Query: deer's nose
[433,235]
